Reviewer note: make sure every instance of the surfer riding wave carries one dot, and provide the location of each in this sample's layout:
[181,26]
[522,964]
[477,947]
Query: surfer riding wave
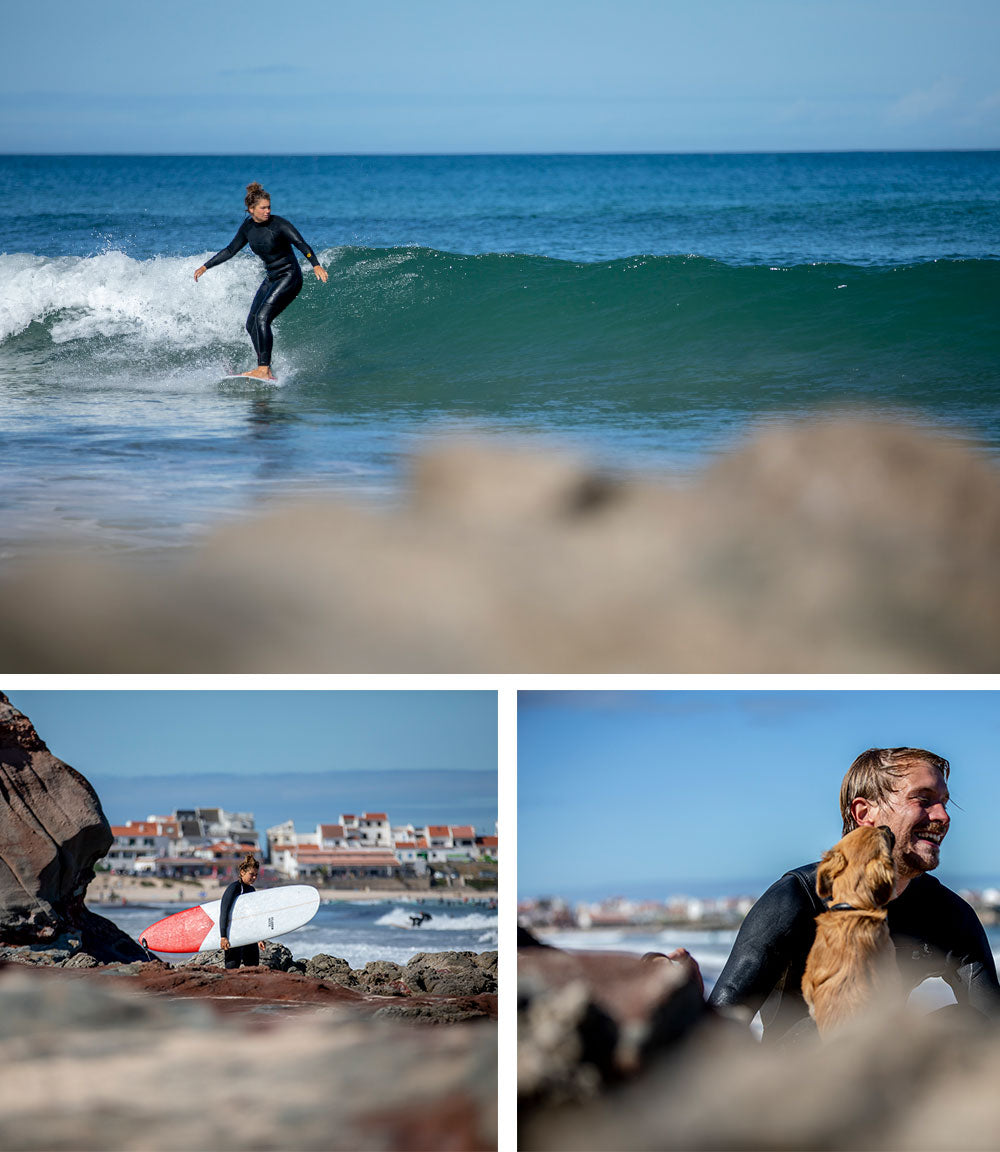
[249,954]
[271,238]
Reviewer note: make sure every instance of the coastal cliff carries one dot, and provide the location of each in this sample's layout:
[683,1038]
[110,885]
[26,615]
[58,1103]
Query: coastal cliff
[53,832]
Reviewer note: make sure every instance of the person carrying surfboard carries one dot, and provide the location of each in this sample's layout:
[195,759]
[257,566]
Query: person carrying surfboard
[249,954]
[271,238]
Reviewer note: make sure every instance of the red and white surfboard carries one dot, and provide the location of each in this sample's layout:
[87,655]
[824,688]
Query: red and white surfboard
[256,916]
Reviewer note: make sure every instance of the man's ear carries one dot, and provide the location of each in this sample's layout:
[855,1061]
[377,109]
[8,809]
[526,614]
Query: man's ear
[833,863]
[865,812]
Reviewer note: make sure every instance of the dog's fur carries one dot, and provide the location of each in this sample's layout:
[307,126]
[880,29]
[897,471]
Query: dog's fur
[851,963]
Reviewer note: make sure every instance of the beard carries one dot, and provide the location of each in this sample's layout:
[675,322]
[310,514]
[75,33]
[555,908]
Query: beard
[920,855]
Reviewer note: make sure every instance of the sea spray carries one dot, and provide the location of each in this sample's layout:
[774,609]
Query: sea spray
[400,917]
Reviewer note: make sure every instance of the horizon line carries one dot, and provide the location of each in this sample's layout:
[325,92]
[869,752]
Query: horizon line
[533,152]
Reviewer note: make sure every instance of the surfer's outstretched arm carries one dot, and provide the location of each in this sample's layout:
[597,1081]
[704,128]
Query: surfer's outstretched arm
[238,241]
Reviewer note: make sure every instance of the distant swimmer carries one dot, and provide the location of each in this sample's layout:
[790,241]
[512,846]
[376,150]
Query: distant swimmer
[271,238]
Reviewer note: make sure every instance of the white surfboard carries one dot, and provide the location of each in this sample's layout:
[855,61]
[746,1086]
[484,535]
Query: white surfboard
[244,376]
[256,916]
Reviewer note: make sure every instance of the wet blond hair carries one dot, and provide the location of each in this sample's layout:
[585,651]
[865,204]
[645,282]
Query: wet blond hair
[874,774]
[249,861]
[255,193]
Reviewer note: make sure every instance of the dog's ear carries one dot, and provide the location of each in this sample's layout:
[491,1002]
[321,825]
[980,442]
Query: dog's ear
[881,877]
[833,863]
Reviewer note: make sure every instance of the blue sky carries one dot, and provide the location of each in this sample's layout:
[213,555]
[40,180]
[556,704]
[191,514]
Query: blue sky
[308,756]
[322,76]
[654,793]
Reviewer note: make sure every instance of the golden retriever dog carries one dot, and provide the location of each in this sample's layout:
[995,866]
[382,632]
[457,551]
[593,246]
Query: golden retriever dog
[851,963]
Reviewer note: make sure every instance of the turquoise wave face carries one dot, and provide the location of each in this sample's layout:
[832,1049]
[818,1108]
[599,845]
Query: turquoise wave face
[491,333]
[647,332]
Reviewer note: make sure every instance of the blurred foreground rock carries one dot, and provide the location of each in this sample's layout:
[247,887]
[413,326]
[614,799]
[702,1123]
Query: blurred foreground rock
[590,1019]
[900,1081]
[52,833]
[87,1064]
[837,545]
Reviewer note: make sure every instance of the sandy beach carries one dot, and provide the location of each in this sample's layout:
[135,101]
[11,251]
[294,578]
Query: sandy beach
[107,888]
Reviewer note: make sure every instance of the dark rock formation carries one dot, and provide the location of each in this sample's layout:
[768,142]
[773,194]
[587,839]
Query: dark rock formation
[384,977]
[52,833]
[452,973]
[324,967]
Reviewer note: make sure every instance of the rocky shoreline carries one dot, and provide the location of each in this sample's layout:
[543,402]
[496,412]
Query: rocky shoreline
[432,987]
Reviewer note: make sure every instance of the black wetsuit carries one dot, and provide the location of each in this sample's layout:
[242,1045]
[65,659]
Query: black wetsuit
[934,932]
[248,954]
[282,282]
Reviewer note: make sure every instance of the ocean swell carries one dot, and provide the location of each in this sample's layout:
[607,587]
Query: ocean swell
[418,325]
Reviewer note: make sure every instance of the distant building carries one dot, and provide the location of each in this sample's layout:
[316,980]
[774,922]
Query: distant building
[204,825]
[183,843]
[310,862]
[415,850]
[140,840]
[369,830]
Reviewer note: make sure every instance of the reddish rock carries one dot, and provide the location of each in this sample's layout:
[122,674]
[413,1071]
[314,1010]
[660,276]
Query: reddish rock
[52,831]
[245,988]
[261,985]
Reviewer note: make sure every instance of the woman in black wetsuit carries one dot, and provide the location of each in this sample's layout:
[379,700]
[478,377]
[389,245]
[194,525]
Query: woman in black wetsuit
[249,954]
[271,238]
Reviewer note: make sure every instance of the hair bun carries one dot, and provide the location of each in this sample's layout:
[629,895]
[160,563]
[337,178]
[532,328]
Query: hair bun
[255,192]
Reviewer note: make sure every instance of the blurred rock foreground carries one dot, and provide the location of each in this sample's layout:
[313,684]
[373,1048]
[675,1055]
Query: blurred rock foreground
[615,1058]
[843,545]
[87,1063]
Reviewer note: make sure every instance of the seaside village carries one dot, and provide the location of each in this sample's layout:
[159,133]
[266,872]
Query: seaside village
[205,845]
[552,913]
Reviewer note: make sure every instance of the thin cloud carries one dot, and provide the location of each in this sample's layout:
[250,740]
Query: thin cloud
[924,103]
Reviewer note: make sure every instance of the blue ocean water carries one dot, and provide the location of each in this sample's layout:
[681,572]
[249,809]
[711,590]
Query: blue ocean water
[648,310]
[356,931]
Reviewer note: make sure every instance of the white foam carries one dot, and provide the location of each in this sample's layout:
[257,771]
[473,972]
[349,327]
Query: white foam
[154,303]
[400,918]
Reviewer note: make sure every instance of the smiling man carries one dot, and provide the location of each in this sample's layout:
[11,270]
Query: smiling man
[934,931]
